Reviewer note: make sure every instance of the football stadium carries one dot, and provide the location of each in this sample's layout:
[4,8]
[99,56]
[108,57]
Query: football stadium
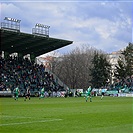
[32,101]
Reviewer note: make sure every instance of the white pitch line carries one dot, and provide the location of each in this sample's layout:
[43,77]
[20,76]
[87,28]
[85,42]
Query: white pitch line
[30,122]
[14,116]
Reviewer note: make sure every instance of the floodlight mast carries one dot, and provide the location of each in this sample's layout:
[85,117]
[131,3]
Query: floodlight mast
[41,29]
[11,24]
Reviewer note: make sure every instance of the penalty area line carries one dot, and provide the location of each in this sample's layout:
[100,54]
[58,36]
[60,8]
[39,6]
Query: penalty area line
[20,123]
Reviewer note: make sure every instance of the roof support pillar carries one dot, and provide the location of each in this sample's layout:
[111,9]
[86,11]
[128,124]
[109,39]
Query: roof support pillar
[20,56]
[6,55]
[32,57]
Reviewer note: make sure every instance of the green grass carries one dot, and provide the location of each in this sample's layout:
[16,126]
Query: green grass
[66,115]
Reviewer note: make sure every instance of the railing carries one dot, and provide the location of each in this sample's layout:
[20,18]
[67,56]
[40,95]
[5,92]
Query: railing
[57,79]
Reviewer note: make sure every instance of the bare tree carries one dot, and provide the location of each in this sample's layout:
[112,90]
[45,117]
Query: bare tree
[73,68]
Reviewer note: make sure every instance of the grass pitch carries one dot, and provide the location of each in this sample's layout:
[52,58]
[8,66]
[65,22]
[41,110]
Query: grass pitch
[66,115]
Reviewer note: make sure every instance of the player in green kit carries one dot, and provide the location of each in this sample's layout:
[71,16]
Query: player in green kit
[16,92]
[42,93]
[88,94]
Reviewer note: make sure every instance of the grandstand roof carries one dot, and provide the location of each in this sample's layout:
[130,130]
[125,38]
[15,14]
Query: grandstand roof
[24,43]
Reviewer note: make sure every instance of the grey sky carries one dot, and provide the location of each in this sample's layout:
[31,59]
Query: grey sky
[100,24]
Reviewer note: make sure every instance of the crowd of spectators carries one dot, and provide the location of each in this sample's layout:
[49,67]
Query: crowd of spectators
[25,73]
[125,84]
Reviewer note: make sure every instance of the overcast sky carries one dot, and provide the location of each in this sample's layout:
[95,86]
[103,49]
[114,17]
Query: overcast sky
[105,25]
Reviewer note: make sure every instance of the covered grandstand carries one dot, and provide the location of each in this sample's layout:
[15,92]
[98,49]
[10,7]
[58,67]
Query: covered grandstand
[24,43]
[12,68]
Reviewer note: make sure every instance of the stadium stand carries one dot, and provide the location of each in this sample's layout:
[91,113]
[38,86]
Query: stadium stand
[124,85]
[25,73]
[16,70]
[24,43]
